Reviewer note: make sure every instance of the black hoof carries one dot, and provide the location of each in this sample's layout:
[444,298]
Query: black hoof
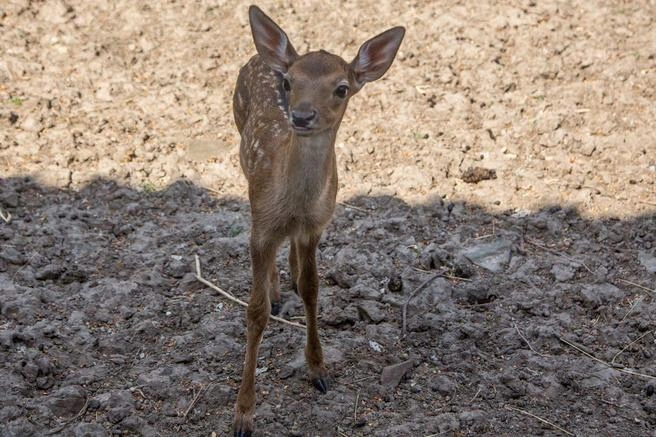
[275,308]
[241,433]
[321,384]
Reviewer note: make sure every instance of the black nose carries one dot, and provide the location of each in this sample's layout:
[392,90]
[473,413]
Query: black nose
[303,118]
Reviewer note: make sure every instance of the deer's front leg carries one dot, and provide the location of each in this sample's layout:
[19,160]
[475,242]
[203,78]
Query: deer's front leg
[308,288]
[263,256]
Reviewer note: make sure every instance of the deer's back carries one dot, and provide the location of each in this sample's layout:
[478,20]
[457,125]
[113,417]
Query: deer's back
[258,108]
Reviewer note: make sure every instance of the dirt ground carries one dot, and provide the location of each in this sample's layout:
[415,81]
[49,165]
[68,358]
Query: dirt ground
[510,150]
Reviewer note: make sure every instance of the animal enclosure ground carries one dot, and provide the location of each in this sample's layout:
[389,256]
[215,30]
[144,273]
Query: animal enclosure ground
[510,148]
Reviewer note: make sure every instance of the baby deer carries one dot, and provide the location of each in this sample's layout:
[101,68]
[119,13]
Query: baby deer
[287,109]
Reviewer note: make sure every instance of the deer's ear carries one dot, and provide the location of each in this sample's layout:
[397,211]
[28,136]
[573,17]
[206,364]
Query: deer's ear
[271,41]
[376,55]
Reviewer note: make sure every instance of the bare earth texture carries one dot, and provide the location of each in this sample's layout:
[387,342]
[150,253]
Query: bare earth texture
[510,149]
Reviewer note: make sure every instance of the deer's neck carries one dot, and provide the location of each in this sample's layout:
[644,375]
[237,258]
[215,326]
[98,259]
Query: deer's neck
[311,165]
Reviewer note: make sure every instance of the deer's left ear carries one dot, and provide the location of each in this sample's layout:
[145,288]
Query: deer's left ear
[271,41]
[376,56]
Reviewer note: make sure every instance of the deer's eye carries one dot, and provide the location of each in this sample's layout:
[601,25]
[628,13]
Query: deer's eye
[286,85]
[341,91]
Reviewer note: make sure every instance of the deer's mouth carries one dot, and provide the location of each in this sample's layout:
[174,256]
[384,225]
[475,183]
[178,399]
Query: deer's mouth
[302,130]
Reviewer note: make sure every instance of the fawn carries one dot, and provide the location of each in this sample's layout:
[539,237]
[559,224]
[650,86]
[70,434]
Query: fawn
[287,109]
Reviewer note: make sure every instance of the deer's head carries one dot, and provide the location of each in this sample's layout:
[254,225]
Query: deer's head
[315,88]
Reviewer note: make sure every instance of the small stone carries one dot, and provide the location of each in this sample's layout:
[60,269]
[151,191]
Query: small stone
[596,295]
[375,346]
[51,271]
[563,272]
[287,372]
[66,401]
[395,284]
[335,316]
[176,267]
[392,375]
[84,429]
[447,422]
[493,256]
[372,312]
[474,175]
[648,261]
[444,385]
[12,256]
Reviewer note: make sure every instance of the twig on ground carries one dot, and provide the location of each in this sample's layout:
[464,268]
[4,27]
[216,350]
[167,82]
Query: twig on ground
[582,264]
[526,341]
[5,217]
[633,305]
[455,278]
[413,294]
[236,300]
[629,345]
[357,208]
[196,398]
[72,419]
[617,367]
[564,431]
[475,395]
[355,409]
[642,287]
[360,380]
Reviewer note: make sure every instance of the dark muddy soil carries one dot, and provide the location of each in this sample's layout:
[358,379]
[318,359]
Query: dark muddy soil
[118,165]
[106,331]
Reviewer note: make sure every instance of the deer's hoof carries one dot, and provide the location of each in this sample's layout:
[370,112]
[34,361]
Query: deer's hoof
[321,384]
[243,425]
[275,308]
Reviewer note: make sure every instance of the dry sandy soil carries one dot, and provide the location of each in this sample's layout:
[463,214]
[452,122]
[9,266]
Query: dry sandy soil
[119,164]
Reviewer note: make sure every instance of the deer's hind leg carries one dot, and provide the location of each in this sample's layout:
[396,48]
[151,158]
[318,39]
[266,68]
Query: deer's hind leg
[274,290]
[293,263]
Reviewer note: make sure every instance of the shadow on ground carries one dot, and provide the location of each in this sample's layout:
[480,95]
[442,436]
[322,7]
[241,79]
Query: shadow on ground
[105,331]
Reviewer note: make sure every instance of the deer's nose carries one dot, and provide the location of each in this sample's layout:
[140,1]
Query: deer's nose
[302,118]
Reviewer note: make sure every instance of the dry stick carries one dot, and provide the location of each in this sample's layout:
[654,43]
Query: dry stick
[195,400]
[635,303]
[560,254]
[476,395]
[413,294]
[355,409]
[637,285]
[456,278]
[357,208]
[238,301]
[6,218]
[564,431]
[630,344]
[208,283]
[616,367]
[526,341]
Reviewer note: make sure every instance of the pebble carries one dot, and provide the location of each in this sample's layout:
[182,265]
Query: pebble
[392,375]
[493,256]
[66,401]
[372,312]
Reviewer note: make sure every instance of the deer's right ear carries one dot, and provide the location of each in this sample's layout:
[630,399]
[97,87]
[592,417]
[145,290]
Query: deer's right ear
[271,41]
[376,55]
